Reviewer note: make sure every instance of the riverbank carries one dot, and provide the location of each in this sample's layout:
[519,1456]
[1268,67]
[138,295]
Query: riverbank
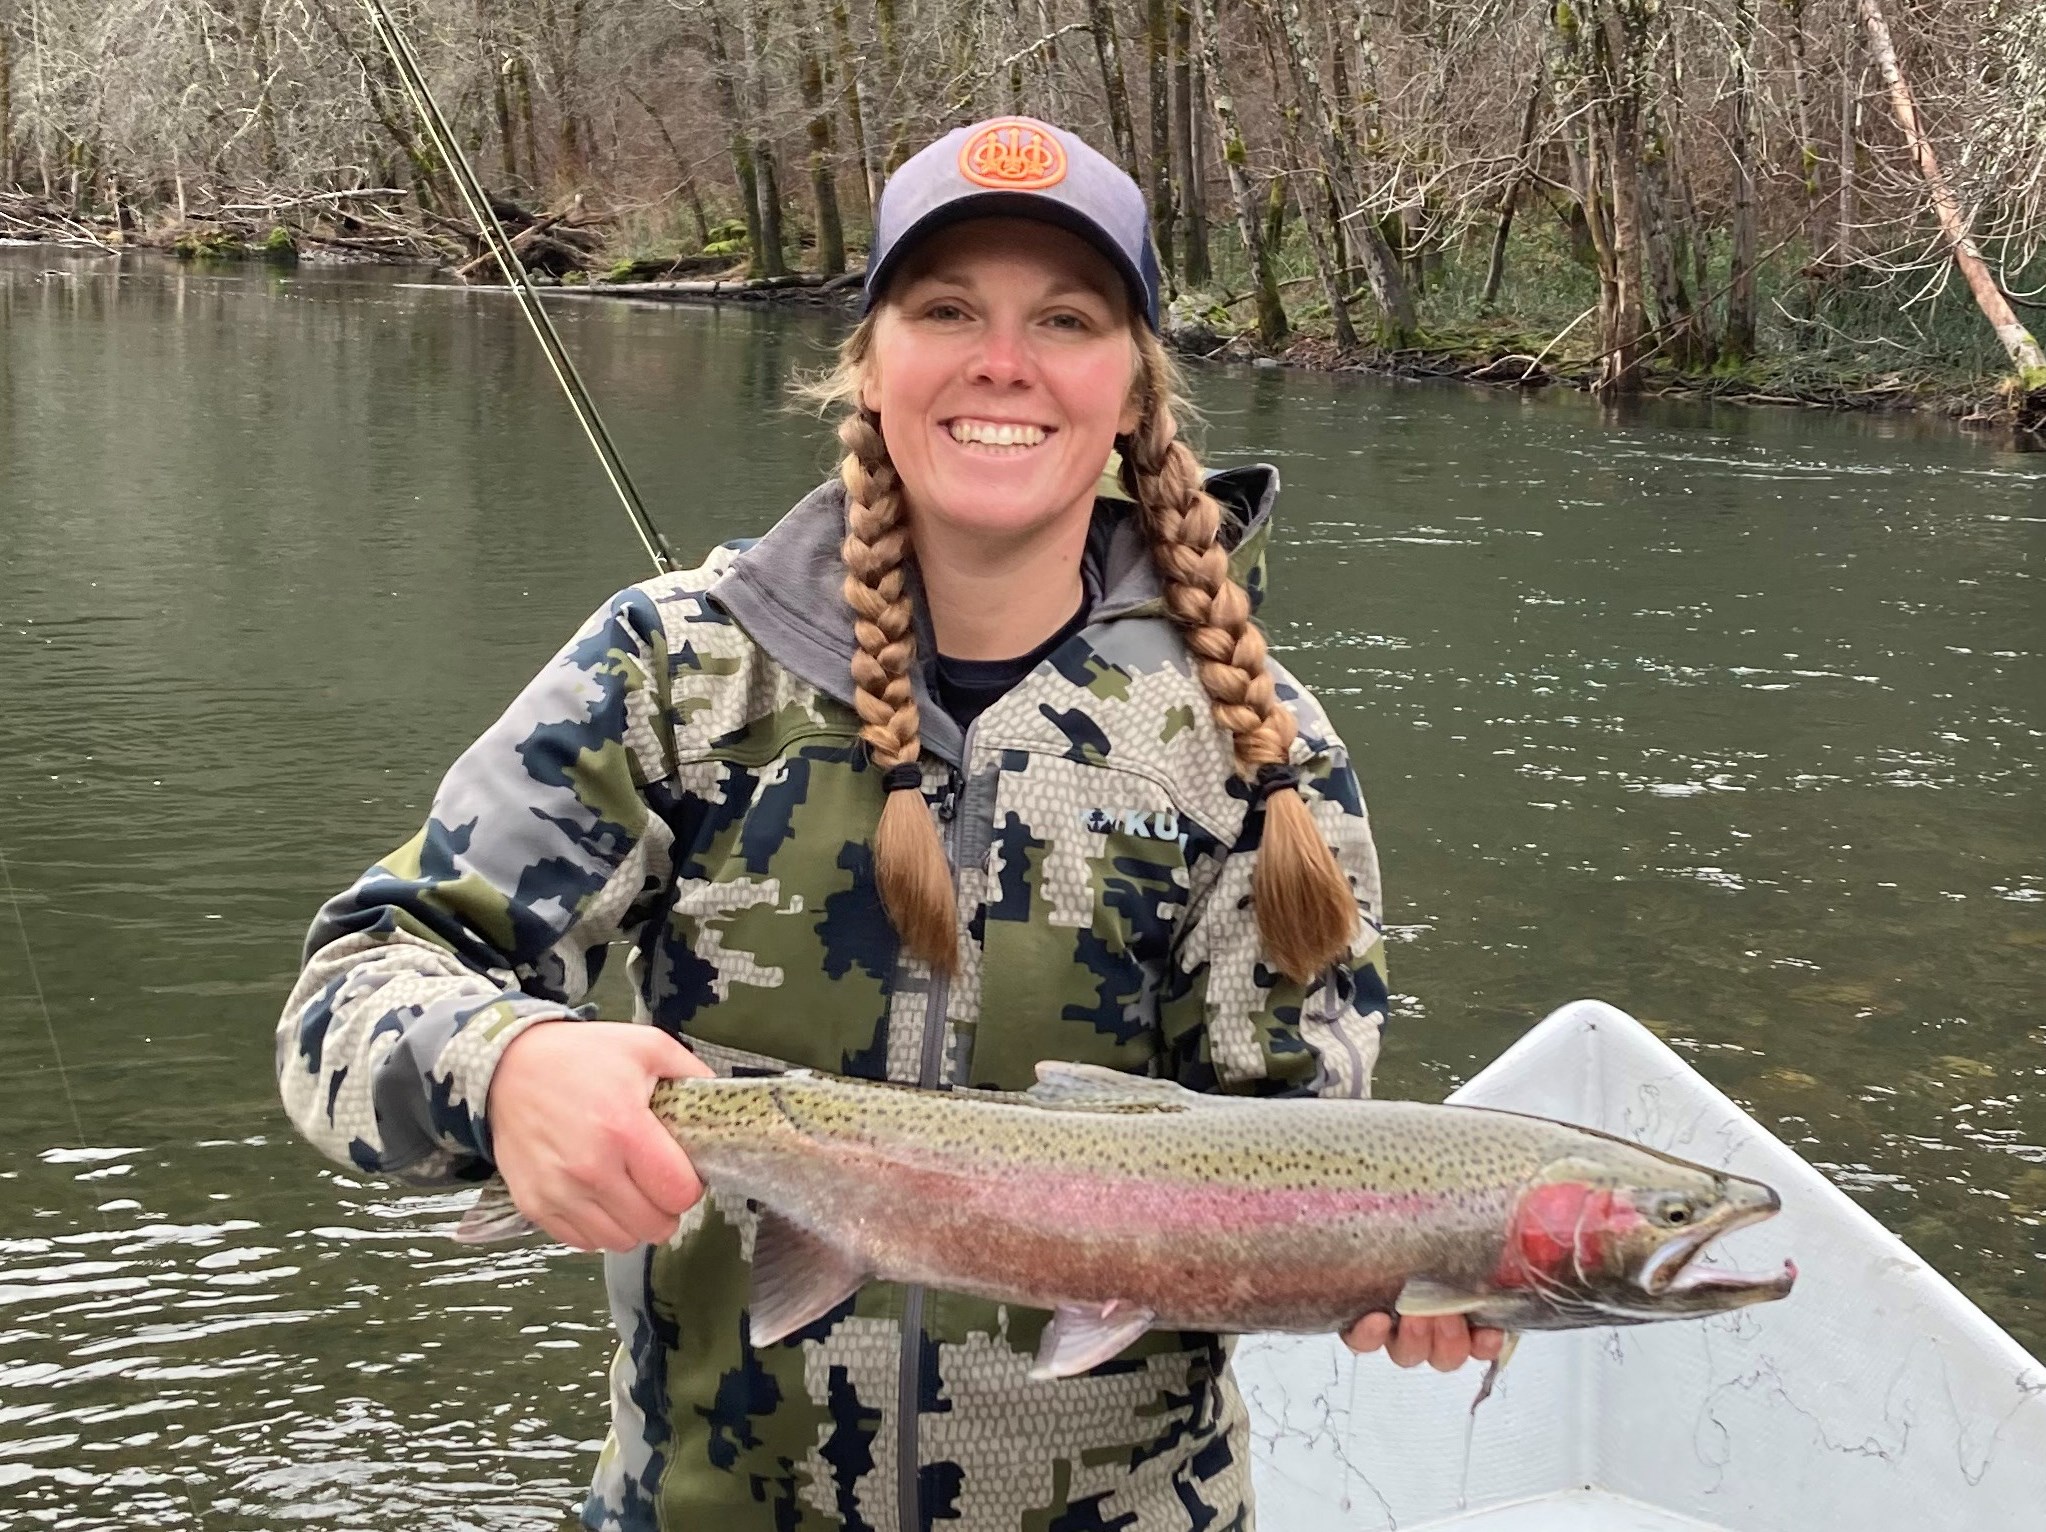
[1535,335]
[1498,354]
[1979,403]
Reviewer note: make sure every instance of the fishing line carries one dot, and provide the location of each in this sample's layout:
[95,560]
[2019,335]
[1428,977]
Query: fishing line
[36,983]
[413,78]
[77,1122]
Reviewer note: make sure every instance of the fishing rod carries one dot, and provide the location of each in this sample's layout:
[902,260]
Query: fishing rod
[413,78]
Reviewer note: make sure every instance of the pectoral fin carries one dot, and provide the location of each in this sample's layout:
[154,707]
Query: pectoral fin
[494,1216]
[1081,1336]
[798,1278]
[1421,1297]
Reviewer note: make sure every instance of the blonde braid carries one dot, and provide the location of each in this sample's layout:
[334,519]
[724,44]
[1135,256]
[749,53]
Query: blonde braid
[1306,912]
[909,861]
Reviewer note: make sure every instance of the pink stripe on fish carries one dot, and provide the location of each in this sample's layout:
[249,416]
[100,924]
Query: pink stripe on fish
[1113,1203]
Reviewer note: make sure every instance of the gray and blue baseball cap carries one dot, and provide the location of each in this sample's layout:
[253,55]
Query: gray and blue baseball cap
[1016,167]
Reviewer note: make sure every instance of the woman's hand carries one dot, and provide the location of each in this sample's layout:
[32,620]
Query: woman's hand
[1444,1341]
[582,1153]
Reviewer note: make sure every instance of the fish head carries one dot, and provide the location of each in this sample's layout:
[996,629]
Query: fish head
[1618,1241]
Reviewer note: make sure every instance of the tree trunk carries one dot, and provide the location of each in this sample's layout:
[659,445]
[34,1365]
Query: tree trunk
[1495,268]
[1667,231]
[1381,269]
[1158,67]
[745,174]
[823,153]
[1271,313]
[1282,35]
[1737,341]
[1186,91]
[1358,121]
[1101,22]
[522,92]
[561,27]
[1619,368]
[773,251]
[770,255]
[2017,341]
[256,34]
[1807,141]
[36,51]
[1846,237]
[500,100]
[1586,53]
[852,92]
[7,176]
[893,134]
[1617,136]
[1051,78]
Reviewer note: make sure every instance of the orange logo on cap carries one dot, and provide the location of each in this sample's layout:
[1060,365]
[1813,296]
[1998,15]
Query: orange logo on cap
[1014,154]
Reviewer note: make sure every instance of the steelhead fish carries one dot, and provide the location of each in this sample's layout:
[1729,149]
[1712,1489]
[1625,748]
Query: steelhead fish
[1124,1203]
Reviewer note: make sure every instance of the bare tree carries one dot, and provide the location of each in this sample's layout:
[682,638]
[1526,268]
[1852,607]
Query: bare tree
[1101,22]
[2016,340]
[1187,86]
[823,151]
[1272,325]
[1360,146]
[1738,338]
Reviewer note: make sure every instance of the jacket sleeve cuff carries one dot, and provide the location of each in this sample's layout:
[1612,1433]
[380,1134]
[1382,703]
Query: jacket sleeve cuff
[443,1132]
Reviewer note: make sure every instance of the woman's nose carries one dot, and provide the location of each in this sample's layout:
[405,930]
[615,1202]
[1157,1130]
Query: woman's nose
[1004,356]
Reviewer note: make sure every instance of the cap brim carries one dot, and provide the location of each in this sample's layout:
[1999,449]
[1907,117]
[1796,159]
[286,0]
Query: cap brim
[1009,204]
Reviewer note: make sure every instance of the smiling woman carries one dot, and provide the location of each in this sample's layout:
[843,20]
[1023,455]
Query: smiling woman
[1001,369]
[881,795]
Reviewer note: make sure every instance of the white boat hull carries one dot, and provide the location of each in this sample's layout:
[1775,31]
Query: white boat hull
[1876,1397]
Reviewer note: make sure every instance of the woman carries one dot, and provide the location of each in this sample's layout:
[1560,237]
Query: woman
[975,759]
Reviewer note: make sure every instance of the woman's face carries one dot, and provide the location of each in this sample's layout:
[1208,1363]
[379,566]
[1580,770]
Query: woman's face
[1001,369]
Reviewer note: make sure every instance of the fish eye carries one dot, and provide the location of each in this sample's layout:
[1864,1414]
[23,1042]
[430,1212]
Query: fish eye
[1675,1212]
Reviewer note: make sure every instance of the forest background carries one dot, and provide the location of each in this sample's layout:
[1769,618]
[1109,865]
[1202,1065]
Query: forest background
[1836,201]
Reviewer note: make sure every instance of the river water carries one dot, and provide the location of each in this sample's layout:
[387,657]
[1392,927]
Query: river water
[1732,718]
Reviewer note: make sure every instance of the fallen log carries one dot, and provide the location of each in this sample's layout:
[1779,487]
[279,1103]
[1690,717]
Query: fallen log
[803,285]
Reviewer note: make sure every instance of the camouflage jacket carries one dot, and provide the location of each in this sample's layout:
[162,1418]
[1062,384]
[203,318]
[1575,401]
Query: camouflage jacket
[686,778]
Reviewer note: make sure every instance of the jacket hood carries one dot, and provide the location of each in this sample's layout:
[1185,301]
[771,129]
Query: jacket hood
[786,588]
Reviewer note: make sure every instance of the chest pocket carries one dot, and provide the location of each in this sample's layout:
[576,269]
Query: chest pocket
[774,945]
[1086,883]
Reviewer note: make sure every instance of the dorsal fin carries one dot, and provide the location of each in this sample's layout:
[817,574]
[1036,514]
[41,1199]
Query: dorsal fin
[1092,1088]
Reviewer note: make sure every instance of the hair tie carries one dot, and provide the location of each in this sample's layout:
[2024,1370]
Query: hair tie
[1272,777]
[903,777]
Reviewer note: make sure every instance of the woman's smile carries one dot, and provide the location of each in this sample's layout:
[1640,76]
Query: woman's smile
[999,438]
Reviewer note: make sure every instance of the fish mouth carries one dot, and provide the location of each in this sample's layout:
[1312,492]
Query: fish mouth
[1669,1277]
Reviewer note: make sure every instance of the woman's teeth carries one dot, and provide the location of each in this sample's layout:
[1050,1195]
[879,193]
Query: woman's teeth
[988,434]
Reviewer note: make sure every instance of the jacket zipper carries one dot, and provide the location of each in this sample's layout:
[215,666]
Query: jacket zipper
[909,1512]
